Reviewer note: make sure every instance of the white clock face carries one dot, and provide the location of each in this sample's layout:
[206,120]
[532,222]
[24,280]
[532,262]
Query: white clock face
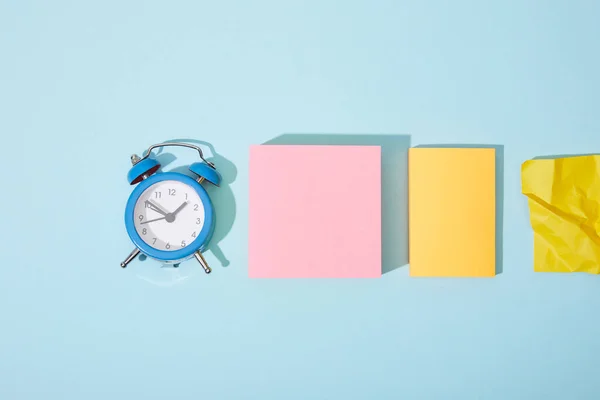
[169,215]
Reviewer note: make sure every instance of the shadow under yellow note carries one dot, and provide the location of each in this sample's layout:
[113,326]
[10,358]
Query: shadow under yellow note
[452,212]
[564,205]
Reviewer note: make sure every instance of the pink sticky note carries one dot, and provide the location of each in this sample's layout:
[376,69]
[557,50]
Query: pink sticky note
[315,212]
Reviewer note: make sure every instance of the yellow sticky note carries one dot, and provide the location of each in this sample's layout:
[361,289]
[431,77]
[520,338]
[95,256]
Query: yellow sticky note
[564,205]
[452,212]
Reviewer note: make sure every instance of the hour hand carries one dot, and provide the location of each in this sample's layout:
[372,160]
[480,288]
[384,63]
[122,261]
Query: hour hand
[156,208]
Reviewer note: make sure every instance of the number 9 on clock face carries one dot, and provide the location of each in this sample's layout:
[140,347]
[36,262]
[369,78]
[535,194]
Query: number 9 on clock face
[169,215]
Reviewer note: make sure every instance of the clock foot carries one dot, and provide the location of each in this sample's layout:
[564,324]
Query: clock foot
[202,262]
[130,257]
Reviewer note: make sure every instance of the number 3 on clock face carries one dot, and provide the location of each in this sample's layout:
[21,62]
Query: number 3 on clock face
[169,217]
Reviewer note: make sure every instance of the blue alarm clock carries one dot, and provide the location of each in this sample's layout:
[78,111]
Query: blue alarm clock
[169,216]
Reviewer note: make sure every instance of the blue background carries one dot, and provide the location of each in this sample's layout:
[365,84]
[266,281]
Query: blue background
[85,84]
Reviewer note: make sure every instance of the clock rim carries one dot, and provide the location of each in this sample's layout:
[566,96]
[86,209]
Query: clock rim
[198,244]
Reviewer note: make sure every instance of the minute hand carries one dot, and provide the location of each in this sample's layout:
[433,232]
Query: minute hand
[179,209]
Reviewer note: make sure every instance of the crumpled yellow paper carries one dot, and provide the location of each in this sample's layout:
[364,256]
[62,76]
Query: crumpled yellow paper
[564,204]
